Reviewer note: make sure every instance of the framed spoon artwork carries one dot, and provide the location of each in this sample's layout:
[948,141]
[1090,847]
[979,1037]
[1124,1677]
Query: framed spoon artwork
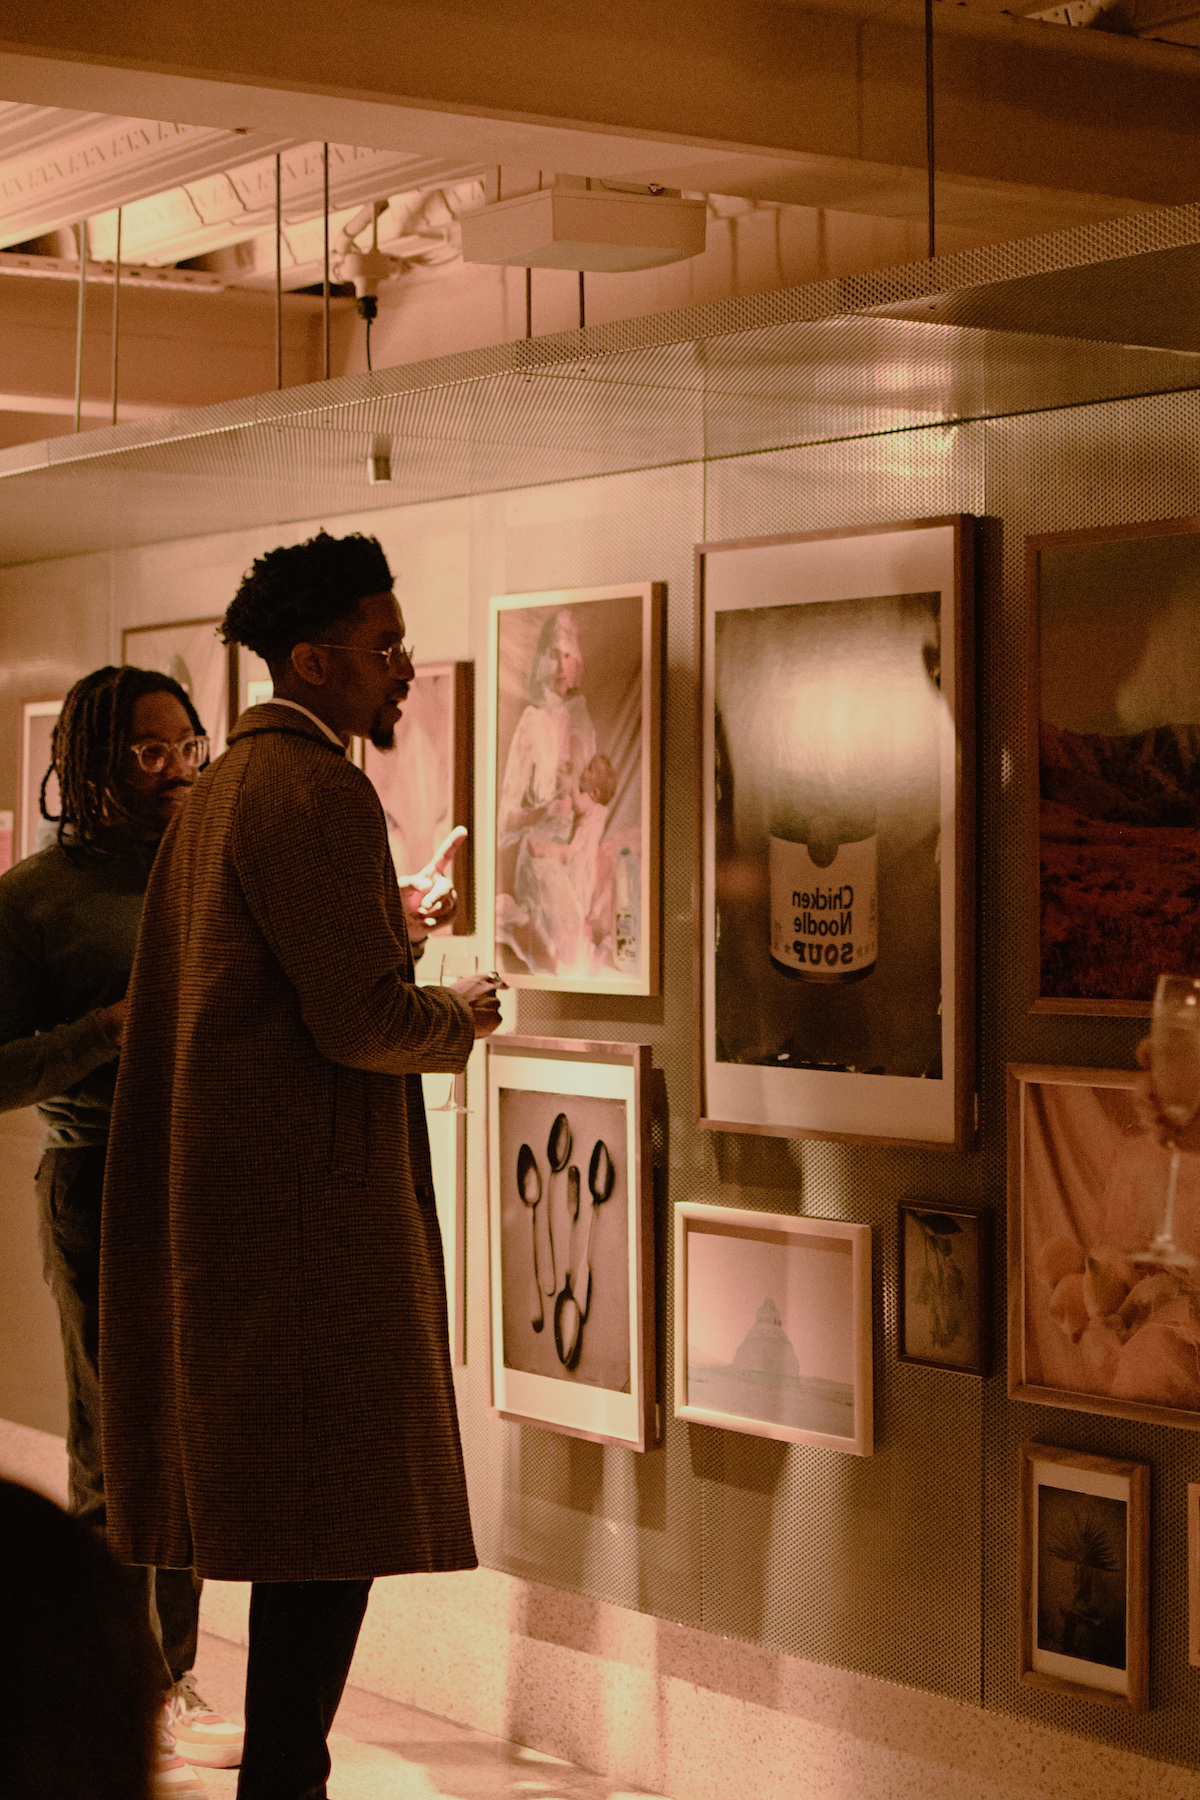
[571,1237]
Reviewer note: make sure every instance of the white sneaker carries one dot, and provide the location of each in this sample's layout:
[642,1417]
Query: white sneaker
[172,1775]
[201,1735]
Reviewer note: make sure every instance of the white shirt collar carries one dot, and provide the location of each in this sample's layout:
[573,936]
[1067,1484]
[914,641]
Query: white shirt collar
[295,705]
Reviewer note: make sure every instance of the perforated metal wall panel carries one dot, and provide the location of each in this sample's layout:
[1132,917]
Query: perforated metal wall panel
[776,414]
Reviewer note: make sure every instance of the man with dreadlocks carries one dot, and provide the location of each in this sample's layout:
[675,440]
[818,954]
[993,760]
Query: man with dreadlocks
[126,750]
[278,1397]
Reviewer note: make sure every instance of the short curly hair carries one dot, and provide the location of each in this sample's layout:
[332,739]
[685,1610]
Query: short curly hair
[299,593]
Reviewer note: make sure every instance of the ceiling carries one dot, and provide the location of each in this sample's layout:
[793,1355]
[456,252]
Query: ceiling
[1015,328]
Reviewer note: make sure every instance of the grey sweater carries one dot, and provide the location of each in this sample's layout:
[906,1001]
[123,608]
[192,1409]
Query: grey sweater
[68,929]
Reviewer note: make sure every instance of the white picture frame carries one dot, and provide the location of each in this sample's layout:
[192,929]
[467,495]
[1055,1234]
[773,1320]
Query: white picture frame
[589,1374]
[191,653]
[836,684]
[802,1356]
[575,882]
[448,1157]
[37,726]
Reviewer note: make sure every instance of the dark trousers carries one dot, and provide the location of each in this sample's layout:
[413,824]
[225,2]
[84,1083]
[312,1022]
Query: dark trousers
[70,1185]
[302,1638]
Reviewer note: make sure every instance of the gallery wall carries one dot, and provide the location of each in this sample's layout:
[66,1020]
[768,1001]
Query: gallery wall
[902,1565]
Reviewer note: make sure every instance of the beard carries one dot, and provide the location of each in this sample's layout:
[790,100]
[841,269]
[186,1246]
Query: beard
[382,736]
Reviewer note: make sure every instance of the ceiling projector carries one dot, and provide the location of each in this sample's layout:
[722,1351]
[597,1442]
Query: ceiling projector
[580,223]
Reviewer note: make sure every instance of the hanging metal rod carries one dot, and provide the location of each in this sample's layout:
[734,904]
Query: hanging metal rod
[325,284]
[278,271]
[80,310]
[929,121]
[116,316]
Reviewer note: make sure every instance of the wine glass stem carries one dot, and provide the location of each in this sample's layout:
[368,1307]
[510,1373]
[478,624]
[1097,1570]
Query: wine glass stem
[1167,1232]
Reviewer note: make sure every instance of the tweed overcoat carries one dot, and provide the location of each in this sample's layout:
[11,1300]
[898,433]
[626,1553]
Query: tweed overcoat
[277,1395]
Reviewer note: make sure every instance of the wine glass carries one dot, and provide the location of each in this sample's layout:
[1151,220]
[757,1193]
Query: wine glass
[1175,1065]
[450,1103]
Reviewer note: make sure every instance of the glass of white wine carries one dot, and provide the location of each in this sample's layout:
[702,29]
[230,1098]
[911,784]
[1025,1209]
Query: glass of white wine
[451,1104]
[1175,1067]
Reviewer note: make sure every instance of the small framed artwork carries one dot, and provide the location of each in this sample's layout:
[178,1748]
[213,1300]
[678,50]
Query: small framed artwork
[572,1244]
[1085,1576]
[1113,754]
[191,652]
[773,1325]
[835,965]
[250,682]
[446,1119]
[38,719]
[426,782]
[1094,1323]
[573,780]
[945,1286]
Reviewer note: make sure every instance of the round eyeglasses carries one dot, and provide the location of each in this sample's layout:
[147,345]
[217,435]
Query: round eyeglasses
[398,659]
[153,754]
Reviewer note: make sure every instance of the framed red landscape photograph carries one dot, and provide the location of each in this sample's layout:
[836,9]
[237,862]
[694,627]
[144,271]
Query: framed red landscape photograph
[1114,763]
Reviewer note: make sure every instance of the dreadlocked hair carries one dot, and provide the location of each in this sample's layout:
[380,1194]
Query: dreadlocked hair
[300,592]
[90,735]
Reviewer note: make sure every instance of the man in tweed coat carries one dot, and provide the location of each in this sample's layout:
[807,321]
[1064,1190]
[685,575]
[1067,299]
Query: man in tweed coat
[278,1401]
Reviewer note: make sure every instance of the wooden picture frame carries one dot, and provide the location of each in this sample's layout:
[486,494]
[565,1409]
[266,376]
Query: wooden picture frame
[1193,1572]
[1089,1330]
[191,653]
[37,725]
[575,881]
[1112,848]
[572,1277]
[747,1360]
[835,761]
[1085,1576]
[426,785]
[944,1304]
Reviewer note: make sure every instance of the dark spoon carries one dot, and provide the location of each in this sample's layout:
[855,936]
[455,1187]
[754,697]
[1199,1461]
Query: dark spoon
[558,1154]
[601,1180]
[529,1186]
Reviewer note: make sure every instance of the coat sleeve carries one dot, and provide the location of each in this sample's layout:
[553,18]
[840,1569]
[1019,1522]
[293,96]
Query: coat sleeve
[313,865]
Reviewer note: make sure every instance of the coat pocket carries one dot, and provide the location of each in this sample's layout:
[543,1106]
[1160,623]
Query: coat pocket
[350,1149]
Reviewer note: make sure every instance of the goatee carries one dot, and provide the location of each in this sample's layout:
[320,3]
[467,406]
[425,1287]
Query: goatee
[382,736]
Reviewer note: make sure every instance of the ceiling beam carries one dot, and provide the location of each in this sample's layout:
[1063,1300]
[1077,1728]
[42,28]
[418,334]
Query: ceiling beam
[832,96]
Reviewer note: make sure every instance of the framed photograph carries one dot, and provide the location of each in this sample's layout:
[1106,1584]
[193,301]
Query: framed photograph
[38,719]
[773,1325]
[1113,734]
[250,681]
[1085,1576]
[835,960]
[1088,1328]
[194,656]
[426,783]
[944,1315]
[574,753]
[572,1242]
[445,1116]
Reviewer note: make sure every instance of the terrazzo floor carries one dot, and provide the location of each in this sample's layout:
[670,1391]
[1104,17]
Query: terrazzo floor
[384,1751]
[380,1749]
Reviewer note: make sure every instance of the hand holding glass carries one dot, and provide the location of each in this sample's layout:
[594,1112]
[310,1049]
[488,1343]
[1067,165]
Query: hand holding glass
[1175,1070]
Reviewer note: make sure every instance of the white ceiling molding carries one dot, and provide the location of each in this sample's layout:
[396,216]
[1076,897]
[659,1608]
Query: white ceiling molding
[58,167]
[224,208]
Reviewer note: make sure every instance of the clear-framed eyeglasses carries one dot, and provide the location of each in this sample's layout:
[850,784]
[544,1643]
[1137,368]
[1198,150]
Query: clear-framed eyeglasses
[152,754]
[398,659]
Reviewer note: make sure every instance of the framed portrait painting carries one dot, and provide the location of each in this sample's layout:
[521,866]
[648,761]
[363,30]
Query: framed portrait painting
[1095,1324]
[1085,1576]
[193,655]
[836,880]
[1113,753]
[573,779]
[773,1325]
[426,782]
[571,1237]
[944,1313]
[38,718]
